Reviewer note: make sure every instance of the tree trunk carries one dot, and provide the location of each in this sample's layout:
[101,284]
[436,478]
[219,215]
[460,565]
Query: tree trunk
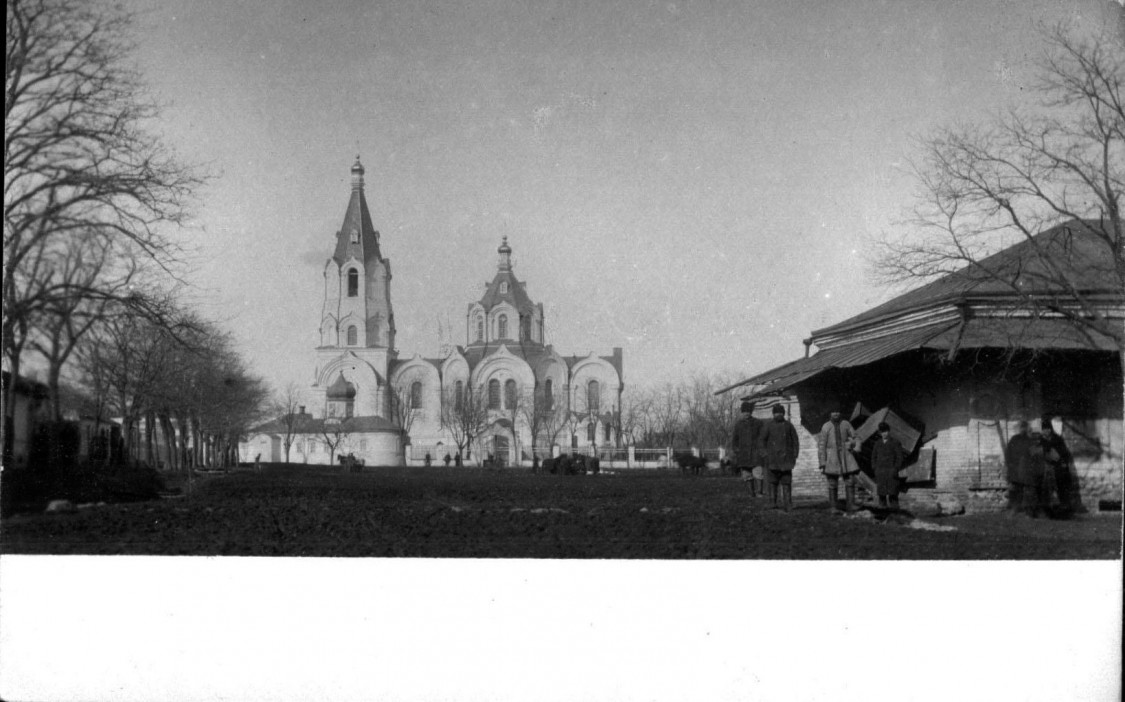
[150,440]
[9,413]
[169,432]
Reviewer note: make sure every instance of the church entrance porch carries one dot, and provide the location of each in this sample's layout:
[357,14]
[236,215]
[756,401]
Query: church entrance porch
[501,450]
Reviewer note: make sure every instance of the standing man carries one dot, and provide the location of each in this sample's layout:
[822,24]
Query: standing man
[1059,461]
[779,449]
[1024,459]
[886,461]
[834,444]
[744,448]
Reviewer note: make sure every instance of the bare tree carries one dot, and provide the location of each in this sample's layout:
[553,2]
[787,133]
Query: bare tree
[335,432]
[667,415]
[78,165]
[66,316]
[1058,161]
[722,411]
[287,407]
[402,409]
[541,412]
[628,418]
[465,416]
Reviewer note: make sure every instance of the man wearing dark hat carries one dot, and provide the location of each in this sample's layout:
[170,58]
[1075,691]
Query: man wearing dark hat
[886,460]
[744,448]
[834,444]
[780,447]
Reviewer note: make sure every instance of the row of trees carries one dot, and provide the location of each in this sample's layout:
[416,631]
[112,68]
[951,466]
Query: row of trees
[180,377]
[92,203]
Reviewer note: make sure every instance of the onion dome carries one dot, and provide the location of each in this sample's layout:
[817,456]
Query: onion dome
[340,390]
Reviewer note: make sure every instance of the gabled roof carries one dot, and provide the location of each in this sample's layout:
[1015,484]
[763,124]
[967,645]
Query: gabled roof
[530,353]
[357,219]
[975,307]
[1074,247]
[615,360]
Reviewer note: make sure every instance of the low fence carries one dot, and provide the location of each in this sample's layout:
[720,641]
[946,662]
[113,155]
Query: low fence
[610,457]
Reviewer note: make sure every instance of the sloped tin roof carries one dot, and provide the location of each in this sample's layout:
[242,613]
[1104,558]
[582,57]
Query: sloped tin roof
[978,333]
[1074,250]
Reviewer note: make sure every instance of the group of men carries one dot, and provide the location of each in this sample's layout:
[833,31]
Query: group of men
[1038,468]
[765,453]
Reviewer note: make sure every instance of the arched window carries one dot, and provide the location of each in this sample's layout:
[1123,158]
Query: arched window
[458,391]
[525,328]
[353,335]
[494,394]
[353,282]
[416,395]
[593,396]
[510,394]
[480,329]
[591,433]
[548,395]
[502,327]
[607,433]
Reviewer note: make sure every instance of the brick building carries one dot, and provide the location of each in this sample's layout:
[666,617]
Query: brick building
[964,358]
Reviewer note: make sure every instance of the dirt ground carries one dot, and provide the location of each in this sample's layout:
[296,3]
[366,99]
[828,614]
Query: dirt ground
[474,513]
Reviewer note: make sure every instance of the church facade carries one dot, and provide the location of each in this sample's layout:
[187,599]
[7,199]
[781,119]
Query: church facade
[506,394]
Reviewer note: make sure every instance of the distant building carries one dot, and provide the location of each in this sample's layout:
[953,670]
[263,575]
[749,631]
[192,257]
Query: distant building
[963,359]
[507,362]
[364,395]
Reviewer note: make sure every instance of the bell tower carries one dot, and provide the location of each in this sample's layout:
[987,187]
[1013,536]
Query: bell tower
[357,327]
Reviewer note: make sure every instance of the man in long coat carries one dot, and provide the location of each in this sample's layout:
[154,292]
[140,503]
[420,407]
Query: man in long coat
[886,461]
[834,445]
[1058,462]
[1025,463]
[780,447]
[744,447]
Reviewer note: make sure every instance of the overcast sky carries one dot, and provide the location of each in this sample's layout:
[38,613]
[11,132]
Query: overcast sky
[698,183]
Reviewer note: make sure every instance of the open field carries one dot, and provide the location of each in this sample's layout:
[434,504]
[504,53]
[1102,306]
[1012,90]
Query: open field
[475,513]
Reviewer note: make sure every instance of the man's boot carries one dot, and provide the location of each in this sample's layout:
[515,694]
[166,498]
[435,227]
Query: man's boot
[849,493]
[786,497]
[833,500]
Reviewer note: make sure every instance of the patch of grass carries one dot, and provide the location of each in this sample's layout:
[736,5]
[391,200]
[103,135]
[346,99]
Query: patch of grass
[30,489]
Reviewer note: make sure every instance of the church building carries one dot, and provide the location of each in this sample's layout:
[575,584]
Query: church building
[506,394]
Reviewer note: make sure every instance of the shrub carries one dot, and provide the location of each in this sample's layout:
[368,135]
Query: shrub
[54,446]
